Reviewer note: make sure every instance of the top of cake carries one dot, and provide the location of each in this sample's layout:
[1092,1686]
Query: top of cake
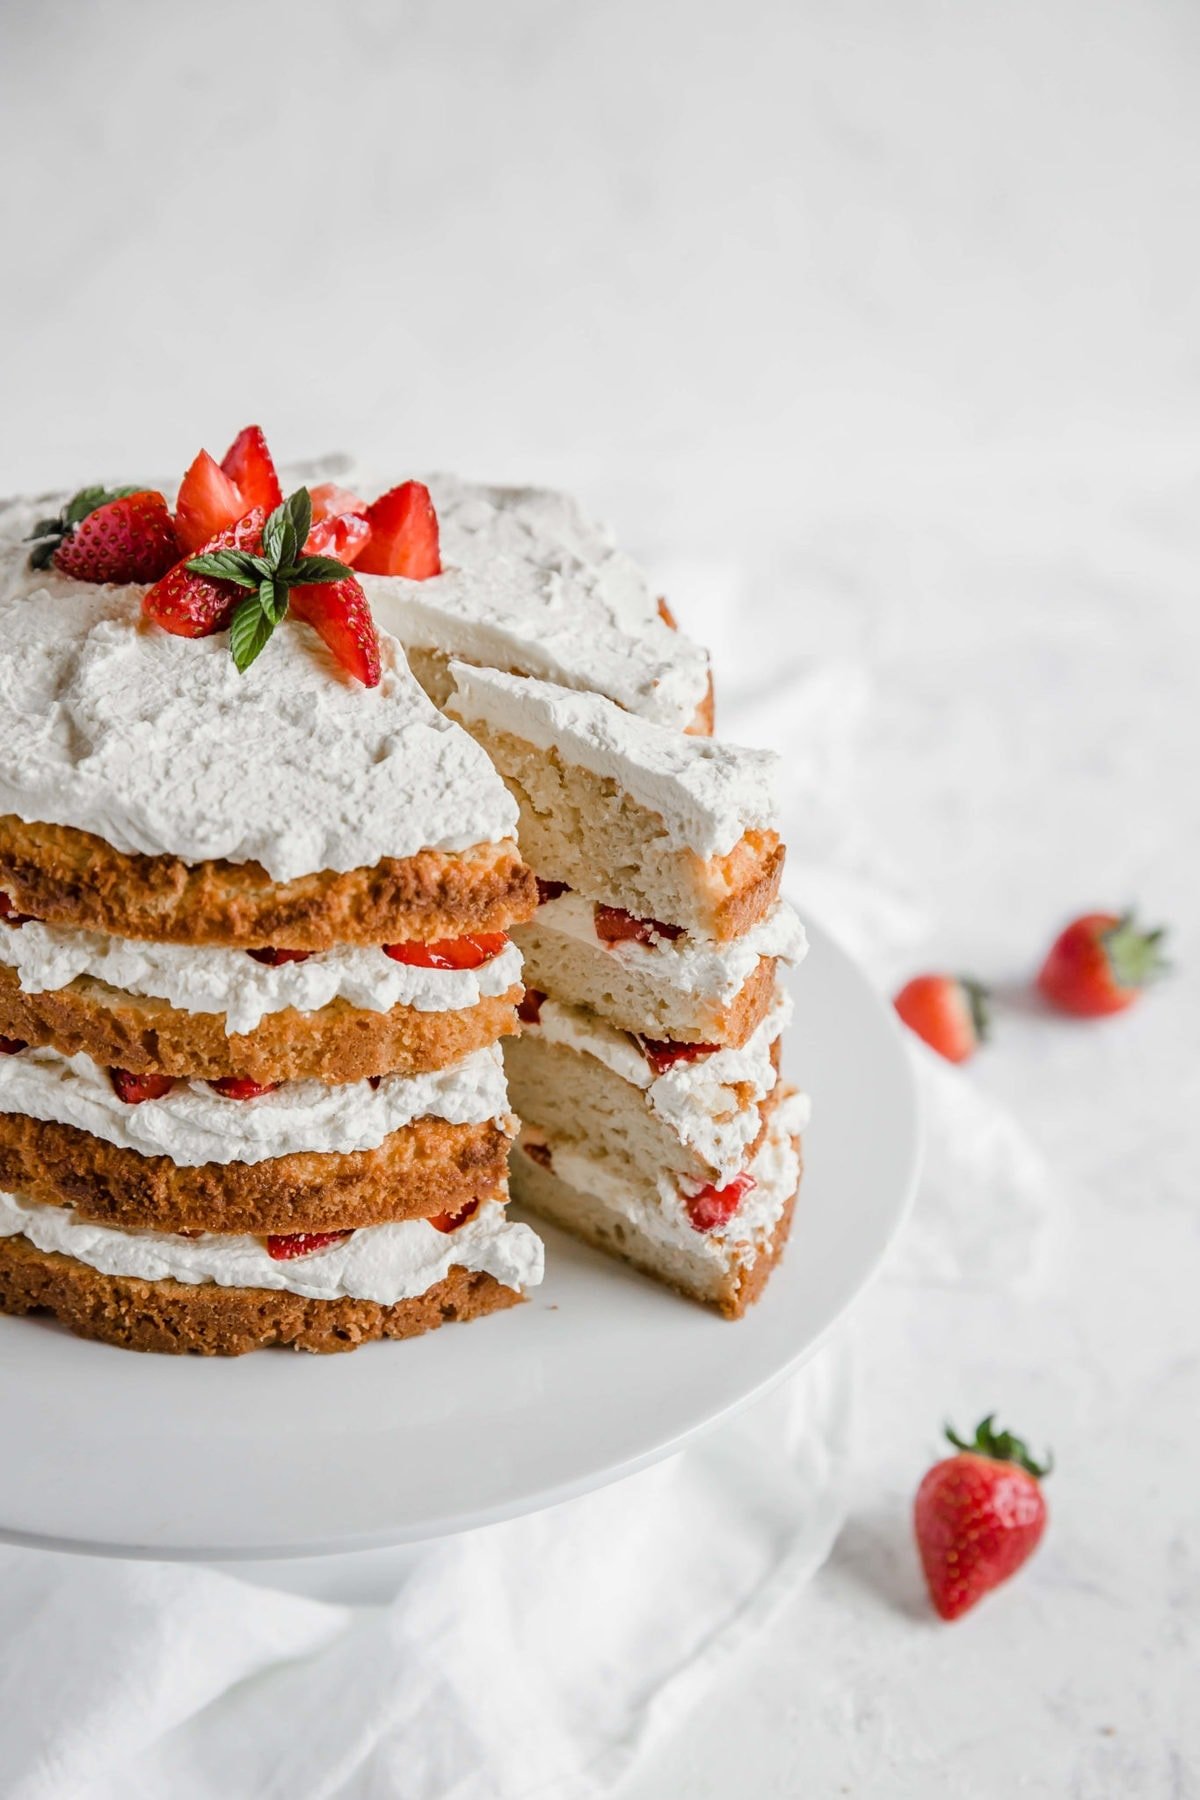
[160,746]
[528,582]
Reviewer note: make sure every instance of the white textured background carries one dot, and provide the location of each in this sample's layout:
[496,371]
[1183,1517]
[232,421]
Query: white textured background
[875,327]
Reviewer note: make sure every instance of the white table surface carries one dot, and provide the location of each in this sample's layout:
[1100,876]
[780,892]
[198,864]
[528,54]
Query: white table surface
[874,329]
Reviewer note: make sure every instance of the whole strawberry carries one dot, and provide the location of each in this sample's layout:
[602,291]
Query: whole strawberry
[1100,964]
[949,1012]
[978,1517]
[108,534]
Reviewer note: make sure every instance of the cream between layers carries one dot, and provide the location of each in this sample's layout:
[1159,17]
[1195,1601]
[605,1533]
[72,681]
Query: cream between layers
[707,794]
[530,583]
[384,1263]
[193,1124]
[210,980]
[156,743]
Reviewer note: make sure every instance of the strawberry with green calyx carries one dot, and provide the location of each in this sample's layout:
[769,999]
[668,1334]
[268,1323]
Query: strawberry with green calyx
[122,535]
[949,1012]
[978,1517]
[321,591]
[1100,963]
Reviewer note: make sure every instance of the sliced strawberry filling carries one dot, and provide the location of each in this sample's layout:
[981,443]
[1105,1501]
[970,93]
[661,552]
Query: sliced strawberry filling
[538,1153]
[616,926]
[713,1207]
[530,1009]
[663,1055]
[133,1089]
[450,1221]
[9,913]
[550,890]
[275,958]
[450,953]
[12,1046]
[286,1246]
[241,1087]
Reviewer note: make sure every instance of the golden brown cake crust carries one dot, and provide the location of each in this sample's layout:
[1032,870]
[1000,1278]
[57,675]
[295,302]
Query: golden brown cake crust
[339,1042]
[752,1281]
[173,1318]
[428,1167]
[69,877]
[743,886]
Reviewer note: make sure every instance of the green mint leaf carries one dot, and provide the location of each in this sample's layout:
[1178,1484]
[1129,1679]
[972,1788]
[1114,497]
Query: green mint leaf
[225,565]
[312,569]
[278,541]
[299,508]
[273,598]
[249,633]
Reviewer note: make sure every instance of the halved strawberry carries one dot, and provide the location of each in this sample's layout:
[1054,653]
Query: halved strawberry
[711,1207]
[615,926]
[274,958]
[209,502]
[329,501]
[340,614]
[191,605]
[404,534]
[133,1089]
[9,913]
[663,1055]
[250,466]
[12,1046]
[344,535]
[530,1009]
[130,538]
[450,953]
[451,1221]
[242,1087]
[286,1246]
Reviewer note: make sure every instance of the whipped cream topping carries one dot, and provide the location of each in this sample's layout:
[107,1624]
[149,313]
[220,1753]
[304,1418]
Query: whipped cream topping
[193,1124]
[689,965]
[662,1215]
[708,794]
[530,583]
[710,1104]
[384,1263]
[157,744]
[202,979]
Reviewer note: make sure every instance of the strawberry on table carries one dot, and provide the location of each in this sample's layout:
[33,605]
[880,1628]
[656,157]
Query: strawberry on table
[978,1516]
[404,534]
[1100,963]
[108,534]
[250,466]
[208,502]
[949,1012]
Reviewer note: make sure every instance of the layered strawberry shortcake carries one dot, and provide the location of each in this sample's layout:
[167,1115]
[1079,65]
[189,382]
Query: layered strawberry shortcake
[255,896]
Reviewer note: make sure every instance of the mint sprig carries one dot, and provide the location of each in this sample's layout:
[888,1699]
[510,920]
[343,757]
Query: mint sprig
[48,534]
[269,575]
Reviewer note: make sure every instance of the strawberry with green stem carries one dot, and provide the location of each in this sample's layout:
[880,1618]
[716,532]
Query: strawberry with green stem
[122,534]
[1100,963]
[978,1517]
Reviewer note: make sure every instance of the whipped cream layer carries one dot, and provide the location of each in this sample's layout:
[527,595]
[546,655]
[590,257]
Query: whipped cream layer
[711,1104]
[663,1216]
[193,1124]
[201,979]
[156,743]
[689,965]
[708,794]
[384,1263]
[530,583]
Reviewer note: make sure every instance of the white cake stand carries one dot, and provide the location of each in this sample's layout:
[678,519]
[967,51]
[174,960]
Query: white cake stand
[278,1455]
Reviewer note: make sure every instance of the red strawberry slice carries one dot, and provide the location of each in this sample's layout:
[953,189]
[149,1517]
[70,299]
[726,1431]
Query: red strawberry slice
[451,1221]
[12,1046]
[663,1055]
[404,534]
[450,953]
[131,538]
[208,503]
[241,1087]
[339,613]
[345,536]
[712,1207]
[275,958]
[249,465]
[329,501]
[191,605]
[286,1246]
[9,913]
[549,890]
[530,1008]
[133,1089]
[616,926]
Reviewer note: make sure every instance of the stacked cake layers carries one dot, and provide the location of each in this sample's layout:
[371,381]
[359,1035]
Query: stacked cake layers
[654,1120]
[254,971]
